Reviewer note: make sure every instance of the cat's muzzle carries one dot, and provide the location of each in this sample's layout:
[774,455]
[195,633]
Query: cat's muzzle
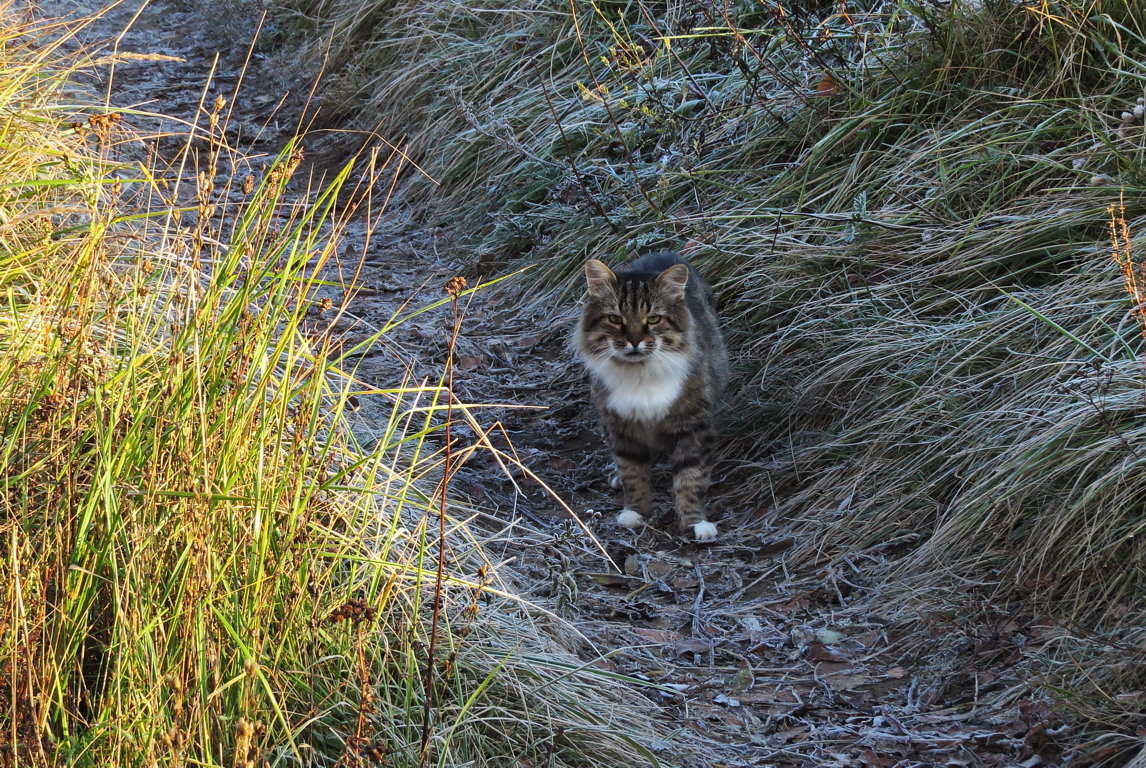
[634,352]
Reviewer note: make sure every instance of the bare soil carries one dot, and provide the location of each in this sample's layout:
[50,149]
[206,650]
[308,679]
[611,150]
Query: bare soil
[756,660]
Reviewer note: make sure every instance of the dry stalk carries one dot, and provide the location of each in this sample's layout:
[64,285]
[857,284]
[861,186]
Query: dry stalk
[1133,274]
[454,288]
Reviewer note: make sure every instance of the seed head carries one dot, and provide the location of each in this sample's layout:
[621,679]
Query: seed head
[454,286]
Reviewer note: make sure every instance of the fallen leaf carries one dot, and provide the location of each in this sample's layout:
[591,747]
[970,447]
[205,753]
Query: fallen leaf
[800,636]
[561,463]
[757,696]
[824,668]
[846,682]
[740,681]
[830,636]
[820,652]
[1010,627]
[725,700]
[724,715]
[869,758]
[691,645]
[788,735]
[827,86]
[662,636]
[770,546]
[609,665]
[791,606]
[614,580]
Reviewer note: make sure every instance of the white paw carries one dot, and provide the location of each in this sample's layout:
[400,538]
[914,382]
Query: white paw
[631,519]
[703,531]
[615,481]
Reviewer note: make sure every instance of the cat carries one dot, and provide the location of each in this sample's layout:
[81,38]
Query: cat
[650,340]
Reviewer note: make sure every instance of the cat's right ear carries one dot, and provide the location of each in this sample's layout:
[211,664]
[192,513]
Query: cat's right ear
[600,279]
[673,280]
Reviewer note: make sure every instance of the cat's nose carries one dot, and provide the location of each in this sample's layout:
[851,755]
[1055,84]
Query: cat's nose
[634,350]
[635,341]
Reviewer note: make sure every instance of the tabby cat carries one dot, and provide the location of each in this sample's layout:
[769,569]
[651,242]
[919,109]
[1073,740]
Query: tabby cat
[650,339]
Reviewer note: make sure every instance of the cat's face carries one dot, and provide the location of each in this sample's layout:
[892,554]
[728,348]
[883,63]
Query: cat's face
[628,319]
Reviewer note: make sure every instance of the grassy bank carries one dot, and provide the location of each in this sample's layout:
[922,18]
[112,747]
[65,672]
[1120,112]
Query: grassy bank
[200,565]
[908,210]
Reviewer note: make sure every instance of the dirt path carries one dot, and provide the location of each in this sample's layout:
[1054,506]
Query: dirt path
[758,663]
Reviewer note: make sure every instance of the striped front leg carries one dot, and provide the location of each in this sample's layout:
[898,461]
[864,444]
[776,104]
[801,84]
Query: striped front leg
[634,466]
[691,475]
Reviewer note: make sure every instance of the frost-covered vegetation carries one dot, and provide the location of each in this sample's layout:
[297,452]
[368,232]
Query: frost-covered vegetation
[923,220]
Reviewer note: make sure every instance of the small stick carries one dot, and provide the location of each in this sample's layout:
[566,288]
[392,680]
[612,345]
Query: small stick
[696,615]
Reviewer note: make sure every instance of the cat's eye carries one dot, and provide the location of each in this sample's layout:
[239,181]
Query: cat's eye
[653,319]
[614,319]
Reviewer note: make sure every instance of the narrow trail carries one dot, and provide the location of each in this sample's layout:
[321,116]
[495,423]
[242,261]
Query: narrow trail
[756,662]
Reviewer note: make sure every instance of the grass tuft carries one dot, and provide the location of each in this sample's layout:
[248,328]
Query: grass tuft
[200,564]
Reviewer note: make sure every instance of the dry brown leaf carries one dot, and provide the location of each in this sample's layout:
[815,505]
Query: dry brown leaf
[561,463]
[821,652]
[869,758]
[847,682]
[824,668]
[691,645]
[827,86]
[662,636]
[759,696]
[788,735]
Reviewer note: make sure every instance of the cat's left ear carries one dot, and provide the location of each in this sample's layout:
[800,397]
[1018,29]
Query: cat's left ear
[600,278]
[673,280]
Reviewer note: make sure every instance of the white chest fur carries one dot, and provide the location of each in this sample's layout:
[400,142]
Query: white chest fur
[644,392]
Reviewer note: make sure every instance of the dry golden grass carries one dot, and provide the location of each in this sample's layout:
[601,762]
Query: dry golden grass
[200,564]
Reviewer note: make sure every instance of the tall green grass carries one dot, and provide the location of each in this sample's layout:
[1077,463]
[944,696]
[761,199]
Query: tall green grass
[199,563]
[905,207]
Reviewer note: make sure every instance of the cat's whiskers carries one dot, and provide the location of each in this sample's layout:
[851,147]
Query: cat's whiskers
[646,390]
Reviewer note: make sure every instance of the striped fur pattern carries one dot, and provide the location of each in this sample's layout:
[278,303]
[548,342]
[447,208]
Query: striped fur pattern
[650,339]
